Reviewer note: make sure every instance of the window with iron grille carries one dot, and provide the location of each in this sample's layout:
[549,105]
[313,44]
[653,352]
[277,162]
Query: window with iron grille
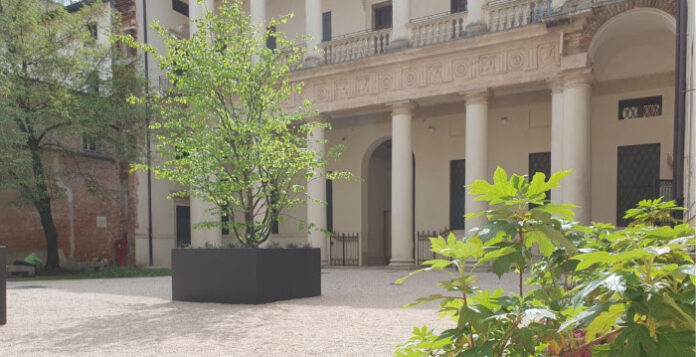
[180,7]
[382,15]
[640,107]
[458,5]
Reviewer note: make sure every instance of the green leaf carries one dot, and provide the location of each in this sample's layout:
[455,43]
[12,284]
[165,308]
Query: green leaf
[545,245]
[492,229]
[423,300]
[559,239]
[604,322]
[537,185]
[589,259]
[438,264]
[680,343]
[634,340]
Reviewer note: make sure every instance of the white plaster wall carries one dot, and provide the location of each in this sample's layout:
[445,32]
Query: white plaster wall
[608,133]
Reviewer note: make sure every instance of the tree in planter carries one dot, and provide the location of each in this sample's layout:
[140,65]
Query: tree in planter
[55,90]
[225,130]
[636,301]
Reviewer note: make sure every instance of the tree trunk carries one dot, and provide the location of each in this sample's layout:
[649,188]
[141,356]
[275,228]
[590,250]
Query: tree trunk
[42,202]
[43,206]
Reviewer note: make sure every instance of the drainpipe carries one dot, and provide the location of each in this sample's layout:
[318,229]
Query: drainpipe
[680,105]
[147,130]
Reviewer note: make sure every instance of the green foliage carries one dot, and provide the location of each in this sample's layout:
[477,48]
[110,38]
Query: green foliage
[596,290]
[226,130]
[56,87]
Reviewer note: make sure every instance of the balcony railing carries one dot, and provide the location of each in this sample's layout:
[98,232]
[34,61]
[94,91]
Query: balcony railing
[504,14]
[356,46]
[437,28]
[500,15]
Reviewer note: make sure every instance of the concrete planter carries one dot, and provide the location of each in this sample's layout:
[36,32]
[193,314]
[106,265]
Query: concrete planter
[245,276]
[3,285]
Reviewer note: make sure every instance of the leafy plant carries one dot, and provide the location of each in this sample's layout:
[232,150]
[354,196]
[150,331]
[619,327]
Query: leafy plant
[571,310]
[226,132]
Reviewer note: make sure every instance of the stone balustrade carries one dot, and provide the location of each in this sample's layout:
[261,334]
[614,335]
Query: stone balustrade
[504,14]
[355,46]
[437,28]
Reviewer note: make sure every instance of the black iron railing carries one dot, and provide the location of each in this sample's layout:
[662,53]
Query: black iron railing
[663,188]
[344,249]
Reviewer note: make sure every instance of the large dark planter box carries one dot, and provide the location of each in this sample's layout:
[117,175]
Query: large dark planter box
[245,276]
[3,285]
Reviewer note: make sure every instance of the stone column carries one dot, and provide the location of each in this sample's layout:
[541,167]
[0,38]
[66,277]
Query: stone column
[402,186]
[576,144]
[476,154]
[204,211]
[257,10]
[475,22]
[556,135]
[316,192]
[314,30]
[401,16]
[196,12]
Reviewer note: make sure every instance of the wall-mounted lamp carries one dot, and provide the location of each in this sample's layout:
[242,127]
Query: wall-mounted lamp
[431,129]
[504,120]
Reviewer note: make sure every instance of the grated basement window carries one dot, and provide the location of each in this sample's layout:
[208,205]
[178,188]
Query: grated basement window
[640,107]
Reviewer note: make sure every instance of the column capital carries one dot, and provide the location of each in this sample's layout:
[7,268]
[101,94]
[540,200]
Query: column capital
[578,78]
[476,97]
[556,84]
[403,107]
[319,118]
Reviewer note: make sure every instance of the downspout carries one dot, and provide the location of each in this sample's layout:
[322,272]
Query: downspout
[71,208]
[680,105]
[148,153]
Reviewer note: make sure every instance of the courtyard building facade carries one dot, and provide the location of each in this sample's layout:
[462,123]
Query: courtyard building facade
[429,96]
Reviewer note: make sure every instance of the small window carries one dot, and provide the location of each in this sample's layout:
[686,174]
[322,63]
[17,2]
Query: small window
[640,108]
[458,5]
[326,26]
[382,16]
[180,7]
[271,40]
[91,144]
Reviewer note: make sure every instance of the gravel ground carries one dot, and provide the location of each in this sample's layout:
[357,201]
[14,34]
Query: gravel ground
[359,314]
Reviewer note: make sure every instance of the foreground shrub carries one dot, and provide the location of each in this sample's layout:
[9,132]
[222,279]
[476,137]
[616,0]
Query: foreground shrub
[597,290]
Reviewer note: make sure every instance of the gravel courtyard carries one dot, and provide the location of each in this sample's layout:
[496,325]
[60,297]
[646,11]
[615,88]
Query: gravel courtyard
[359,314]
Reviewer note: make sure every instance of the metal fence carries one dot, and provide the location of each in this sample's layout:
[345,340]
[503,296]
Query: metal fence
[344,248]
[663,188]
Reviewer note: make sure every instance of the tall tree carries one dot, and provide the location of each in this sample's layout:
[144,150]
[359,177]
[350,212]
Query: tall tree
[225,130]
[56,90]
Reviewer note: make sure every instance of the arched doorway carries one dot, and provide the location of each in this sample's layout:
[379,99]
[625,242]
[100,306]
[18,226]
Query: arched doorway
[376,227]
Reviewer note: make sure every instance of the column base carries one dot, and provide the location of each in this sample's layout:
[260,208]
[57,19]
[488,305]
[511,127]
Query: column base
[398,45]
[395,264]
[311,61]
[476,28]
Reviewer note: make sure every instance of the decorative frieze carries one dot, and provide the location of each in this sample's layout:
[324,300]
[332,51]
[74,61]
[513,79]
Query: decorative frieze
[455,72]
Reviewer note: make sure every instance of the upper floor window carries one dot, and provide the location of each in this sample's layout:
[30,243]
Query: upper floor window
[180,7]
[382,15]
[91,144]
[326,26]
[458,5]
